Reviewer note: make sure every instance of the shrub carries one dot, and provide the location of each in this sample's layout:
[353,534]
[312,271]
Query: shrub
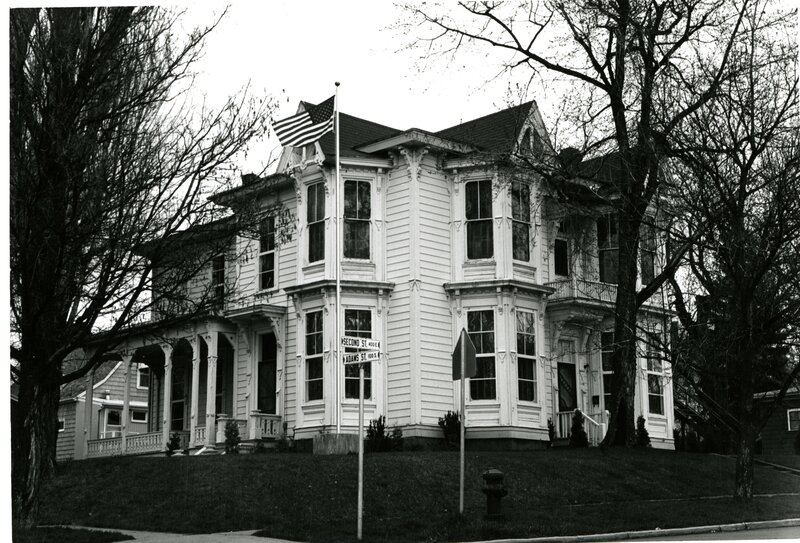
[642,436]
[378,440]
[232,438]
[578,437]
[551,432]
[173,444]
[450,424]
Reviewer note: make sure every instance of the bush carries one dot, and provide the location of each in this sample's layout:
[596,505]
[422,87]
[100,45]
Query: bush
[642,436]
[173,444]
[378,440]
[232,438]
[450,424]
[551,432]
[578,437]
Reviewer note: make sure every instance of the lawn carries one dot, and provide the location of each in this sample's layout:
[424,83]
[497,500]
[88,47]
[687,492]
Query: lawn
[411,495]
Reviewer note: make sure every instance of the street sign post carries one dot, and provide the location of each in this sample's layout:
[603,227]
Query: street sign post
[464,365]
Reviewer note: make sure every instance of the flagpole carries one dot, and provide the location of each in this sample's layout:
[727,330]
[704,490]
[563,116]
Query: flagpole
[463,420]
[338,332]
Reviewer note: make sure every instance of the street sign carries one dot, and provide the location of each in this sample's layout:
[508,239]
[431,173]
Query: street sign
[361,357]
[366,343]
[470,363]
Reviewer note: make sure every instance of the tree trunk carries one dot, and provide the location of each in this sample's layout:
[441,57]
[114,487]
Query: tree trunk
[745,464]
[621,426]
[34,434]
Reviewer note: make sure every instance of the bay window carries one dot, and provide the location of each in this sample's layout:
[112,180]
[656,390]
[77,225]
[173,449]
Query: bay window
[521,220]
[266,254]
[480,326]
[357,211]
[526,356]
[478,211]
[313,356]
[315,220]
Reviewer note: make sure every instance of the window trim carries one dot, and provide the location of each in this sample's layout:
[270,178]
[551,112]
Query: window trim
[567,248]
[609,219]
[355,333]
[316,357]
[144,412]
[358,220]
[262,253]
[789,419]
[603,371]
[479,355]
[62,424]
[142,366]
[521,221]
[647,248]
[318,220]
[533,359]
[218,279]
[651,355]
[468,221]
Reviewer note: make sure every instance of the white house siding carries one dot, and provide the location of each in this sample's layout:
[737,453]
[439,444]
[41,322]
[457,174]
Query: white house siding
[436,333]
[398,322]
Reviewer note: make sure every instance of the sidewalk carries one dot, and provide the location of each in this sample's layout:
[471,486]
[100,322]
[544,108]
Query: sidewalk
[165,537]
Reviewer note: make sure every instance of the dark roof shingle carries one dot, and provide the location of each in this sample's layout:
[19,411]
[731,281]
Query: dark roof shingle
[494,133]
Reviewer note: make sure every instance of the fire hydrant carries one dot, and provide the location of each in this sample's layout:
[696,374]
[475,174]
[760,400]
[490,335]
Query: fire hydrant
[494,491]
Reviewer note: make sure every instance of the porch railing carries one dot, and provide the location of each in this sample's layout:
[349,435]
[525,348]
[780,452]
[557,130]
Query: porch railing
[199,435]
[591,290]
[111,446]
[595,426]
[141,443]
[222,420]
[265,426]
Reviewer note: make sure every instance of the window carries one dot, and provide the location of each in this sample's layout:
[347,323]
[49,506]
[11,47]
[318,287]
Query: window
[357,323]
[479,219]
[526,356]
[521,221]
[608,248]
[793,417]
[143,376]
[647,253]
[266,254]
[357,209]
[315,217]
[218,280]
[606,348]
[314,356]
[561,257]
[139,416]
[655,383]
[61,425]
[480,326]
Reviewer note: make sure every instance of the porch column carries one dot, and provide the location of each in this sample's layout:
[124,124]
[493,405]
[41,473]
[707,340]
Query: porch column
[87,418]
[195,390]
[126,398]
[211,391]
[167,407]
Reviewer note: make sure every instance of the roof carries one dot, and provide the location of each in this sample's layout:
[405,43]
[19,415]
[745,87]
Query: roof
[74,388]
[354,132]
[219,231]
[496,133]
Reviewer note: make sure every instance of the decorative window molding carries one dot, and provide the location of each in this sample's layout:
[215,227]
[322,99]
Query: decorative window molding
[521,221]
[527,377]
[479,223]
[480,326]
[266,254]
[142,376]
[793,419]
[608,248]
[315,221]
[357,215]
[655,383]
[138,416]
[314,356]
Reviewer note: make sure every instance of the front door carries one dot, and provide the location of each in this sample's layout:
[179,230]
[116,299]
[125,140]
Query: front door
[267,375]
[567,384]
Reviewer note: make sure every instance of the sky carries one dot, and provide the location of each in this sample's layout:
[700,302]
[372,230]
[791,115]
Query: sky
[297,50]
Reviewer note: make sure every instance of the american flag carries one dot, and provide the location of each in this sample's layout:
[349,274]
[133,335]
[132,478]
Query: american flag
[307,126]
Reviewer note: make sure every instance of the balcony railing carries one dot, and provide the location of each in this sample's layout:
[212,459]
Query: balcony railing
[581,289]
[150,442]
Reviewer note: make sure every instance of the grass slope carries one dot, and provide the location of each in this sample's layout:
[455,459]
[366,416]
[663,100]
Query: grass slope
[411,495]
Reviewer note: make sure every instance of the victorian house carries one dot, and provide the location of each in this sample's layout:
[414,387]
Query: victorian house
[436,237]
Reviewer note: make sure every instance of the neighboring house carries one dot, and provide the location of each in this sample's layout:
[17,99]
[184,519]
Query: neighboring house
[780,433]
[435,238]
[106,409]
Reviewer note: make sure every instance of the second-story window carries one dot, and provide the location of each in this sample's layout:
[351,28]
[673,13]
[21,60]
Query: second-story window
[526,356]
[218,279]
[357,323]
[480,326]
[313,356]
[521,220]
[315,218]
[266,254]
[478,210]
[608,248]
[647,252]
[357,210]
[561,256]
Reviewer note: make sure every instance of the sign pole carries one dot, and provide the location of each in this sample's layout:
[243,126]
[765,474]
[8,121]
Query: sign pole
[360,448]
[463,420]
[337,322]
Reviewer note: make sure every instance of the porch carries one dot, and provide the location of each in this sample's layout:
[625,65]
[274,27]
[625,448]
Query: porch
[257,427]
[595,425]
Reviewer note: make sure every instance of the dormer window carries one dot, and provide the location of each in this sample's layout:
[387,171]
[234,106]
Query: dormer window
[480,242]
[521,220]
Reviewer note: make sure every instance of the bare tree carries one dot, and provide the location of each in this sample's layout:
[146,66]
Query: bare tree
[638,69]
[108,156]
[740,166]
